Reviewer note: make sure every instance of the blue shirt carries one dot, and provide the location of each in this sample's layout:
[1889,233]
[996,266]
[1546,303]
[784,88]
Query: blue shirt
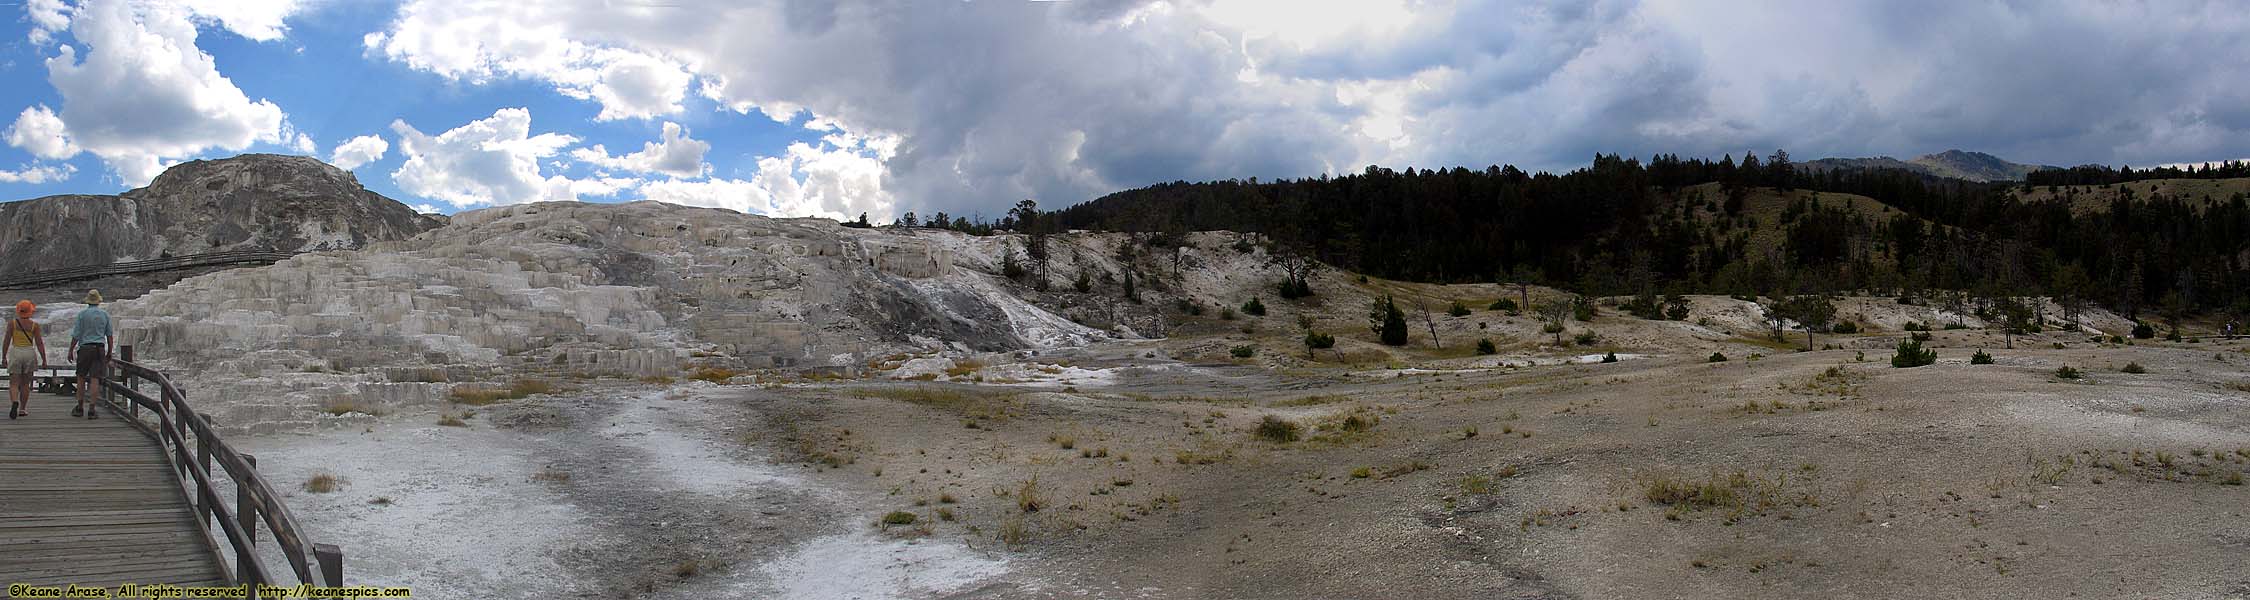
[92,327]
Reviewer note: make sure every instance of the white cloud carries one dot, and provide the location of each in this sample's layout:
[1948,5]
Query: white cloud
[37,174]
[477,41]
[675,154]
[359,151]
[139,93]
[258,20]
[494,160]
[824,180]
[47,17]
[639,86]
[425,208]
[41,133]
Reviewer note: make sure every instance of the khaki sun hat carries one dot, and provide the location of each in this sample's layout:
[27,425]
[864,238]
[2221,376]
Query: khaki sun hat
[93,297]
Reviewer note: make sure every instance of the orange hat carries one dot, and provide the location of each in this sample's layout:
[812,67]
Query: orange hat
[24,308]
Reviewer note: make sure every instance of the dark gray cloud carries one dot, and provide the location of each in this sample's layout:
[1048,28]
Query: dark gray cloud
[996,101]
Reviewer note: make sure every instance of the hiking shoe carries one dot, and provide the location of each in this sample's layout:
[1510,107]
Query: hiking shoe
[92,414]
[78,411]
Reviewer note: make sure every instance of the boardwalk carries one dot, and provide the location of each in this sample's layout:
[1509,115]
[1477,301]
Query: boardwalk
[93,503]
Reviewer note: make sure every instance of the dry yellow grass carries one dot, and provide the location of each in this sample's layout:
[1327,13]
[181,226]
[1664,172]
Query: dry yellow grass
[477,395]
[324,482]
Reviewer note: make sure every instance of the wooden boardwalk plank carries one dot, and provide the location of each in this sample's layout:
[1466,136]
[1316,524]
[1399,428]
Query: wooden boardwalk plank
[93,502]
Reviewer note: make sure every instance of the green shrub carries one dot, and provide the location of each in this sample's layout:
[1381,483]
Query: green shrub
[1245,351]
[1226,313]
[1457,309]
[1277,429]
[1953,326]
[1506,304]
[1582,310]
[2143,331]
[1980,358]
[1191,307]
[1319,341]
[1254,308]
[1587,338]
[899,517]
[1913,326]
[2134,368]
[2066,372]
[1919,336]
[1846,327]
[1716,357]
[1610,357]
[1485,347]
[1910,354]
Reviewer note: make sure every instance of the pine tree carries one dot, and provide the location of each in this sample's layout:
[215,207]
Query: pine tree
[1387,321]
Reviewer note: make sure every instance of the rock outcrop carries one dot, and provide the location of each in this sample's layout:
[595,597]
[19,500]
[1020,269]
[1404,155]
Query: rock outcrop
[249,202]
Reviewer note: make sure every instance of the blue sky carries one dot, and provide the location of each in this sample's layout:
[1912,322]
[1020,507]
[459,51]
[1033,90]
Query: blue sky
[332,91]
[836,108]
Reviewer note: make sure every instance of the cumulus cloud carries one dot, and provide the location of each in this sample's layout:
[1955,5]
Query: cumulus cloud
[477,41]
[258,20]
[37,174]
[837,178]
[139,93]
[359,151]
[494,160]
[38,131]
[47,17]
[675,154]
[1061,102]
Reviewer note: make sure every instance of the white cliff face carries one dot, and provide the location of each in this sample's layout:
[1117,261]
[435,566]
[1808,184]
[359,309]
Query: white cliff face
[571,289]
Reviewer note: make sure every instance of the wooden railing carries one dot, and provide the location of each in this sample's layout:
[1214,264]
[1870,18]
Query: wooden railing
[191,446]
[54,276]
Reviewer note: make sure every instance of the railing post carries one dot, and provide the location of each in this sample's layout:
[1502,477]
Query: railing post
[246,513]
[203,458]
[133,411]
[331,563]
[107,395]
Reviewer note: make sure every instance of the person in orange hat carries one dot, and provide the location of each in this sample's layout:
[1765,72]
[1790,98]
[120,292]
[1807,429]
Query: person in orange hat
[22,335]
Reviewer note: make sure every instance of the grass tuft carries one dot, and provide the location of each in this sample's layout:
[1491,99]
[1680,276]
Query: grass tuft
[324,482]
[1278,430]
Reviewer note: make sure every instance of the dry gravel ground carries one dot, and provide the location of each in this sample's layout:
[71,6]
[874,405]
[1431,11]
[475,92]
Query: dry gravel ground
[1798,474]
[1134,470]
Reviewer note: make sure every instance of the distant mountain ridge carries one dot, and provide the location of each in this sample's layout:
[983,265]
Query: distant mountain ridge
[1956,164]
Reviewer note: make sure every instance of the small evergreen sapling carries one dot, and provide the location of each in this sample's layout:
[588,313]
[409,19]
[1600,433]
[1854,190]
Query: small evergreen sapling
[1911,354]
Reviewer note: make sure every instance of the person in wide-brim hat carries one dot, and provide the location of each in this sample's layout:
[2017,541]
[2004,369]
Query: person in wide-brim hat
[90,342]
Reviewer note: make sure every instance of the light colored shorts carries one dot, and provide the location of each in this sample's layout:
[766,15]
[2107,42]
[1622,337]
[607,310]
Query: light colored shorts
[22,361]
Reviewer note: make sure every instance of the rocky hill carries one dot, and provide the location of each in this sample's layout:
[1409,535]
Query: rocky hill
[1956,164]
[647,289]
[249,202]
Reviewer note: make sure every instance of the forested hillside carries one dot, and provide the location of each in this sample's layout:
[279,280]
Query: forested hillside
[1623,226]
